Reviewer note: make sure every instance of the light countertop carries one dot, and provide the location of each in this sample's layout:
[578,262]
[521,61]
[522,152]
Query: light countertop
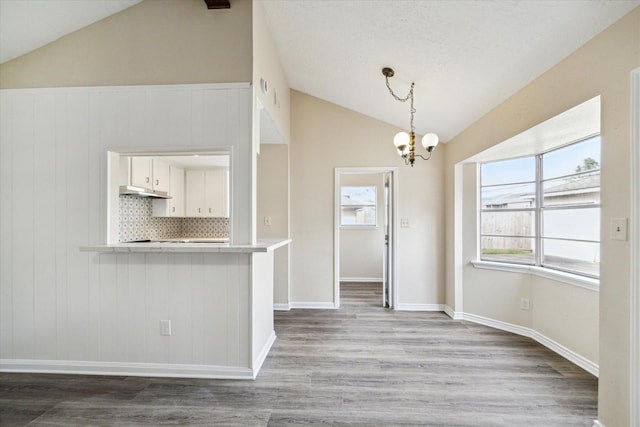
[262,245]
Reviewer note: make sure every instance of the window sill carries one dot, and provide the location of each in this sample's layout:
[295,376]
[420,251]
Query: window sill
[560,276]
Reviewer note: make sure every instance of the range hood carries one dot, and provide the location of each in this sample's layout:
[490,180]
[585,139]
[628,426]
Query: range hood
[132,190]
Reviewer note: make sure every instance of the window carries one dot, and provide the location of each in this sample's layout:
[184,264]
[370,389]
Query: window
[358,206]
[544,210]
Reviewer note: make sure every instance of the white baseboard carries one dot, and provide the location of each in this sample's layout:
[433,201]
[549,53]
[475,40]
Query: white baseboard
[125,369]
[455,315]
[258,361]
[497,324]
[570,355]
[362,279]
[314,305]
[281,306]
[552,345]
[597,423]
[420,307]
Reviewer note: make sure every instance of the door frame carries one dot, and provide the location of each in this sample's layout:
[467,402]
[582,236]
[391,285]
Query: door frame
[393,171]
[635,247]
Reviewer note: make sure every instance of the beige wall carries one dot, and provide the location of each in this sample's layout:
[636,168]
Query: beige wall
[600,67]
[361,250]
[325,136]
[273,160]
[266,65]
[273,202]
[564,313]
[153,42]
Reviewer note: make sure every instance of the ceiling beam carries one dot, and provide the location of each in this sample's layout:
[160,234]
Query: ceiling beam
[218,4]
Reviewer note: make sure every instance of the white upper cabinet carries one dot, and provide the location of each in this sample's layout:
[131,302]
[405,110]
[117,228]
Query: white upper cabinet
[140,171]
[149,173]
[160,173]
[175,205]
[207,193]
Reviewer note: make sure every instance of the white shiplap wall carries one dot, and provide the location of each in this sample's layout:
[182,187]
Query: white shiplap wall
[60,304]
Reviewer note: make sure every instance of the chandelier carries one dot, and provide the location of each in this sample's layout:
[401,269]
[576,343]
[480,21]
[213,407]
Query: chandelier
[405,142]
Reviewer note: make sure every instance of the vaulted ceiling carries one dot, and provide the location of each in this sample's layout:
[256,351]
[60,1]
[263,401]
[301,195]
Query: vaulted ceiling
[464,56]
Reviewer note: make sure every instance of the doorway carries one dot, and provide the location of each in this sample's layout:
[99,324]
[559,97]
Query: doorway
[355,217]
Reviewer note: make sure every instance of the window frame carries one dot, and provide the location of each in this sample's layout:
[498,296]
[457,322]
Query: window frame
[538,266]
[374,205]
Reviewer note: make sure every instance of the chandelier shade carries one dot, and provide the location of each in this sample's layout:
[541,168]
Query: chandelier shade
[430,141]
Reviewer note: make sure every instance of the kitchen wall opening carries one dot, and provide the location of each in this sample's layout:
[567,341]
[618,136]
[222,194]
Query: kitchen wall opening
[168,196]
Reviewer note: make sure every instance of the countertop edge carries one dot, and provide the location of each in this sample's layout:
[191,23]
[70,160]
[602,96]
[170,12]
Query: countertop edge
[263,245]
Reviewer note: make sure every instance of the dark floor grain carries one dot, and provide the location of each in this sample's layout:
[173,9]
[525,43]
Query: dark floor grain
[360,365]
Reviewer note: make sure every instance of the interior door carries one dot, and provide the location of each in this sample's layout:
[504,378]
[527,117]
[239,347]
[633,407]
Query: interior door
[387,285]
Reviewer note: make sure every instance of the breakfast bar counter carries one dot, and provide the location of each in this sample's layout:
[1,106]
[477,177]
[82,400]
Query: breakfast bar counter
[264,245]
[202,310]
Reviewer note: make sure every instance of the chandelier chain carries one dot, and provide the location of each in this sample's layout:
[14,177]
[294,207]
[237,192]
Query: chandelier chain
[409,97]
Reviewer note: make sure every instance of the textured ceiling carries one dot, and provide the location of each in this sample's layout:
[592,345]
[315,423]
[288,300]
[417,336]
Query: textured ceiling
[465,57]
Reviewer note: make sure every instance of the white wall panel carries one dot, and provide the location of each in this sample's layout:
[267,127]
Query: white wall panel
[59,211]
[180,111]
[138,122]
[136,308]
[57,303]
[95,232]
[180,284]
[44,226]
[107,310]
[168,116]
[77,168]
[262,302]
[6,222]
[213,267]
[23,215]
[156,307]
[215,121]
[122,316]
[199,347]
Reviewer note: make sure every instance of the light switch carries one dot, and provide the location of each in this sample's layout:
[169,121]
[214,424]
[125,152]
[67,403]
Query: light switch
[404,223]
[267,220]
[619,229]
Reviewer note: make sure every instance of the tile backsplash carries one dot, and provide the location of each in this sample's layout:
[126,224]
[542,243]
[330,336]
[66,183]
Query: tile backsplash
[136,223]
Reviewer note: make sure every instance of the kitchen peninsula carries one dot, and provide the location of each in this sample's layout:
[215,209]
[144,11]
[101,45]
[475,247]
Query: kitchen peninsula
[202,310]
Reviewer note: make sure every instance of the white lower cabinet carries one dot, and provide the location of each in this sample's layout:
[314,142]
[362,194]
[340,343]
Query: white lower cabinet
[194,193]
[175,205]
[207,193]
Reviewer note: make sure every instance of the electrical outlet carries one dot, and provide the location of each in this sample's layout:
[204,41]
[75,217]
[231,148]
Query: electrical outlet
[524,303]
[165,327]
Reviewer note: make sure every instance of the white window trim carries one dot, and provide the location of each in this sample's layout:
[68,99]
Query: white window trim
[360,226]
[537,269]
[560,276]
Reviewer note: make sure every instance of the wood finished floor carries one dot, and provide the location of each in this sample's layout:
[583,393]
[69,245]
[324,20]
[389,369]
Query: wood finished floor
[360,365]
